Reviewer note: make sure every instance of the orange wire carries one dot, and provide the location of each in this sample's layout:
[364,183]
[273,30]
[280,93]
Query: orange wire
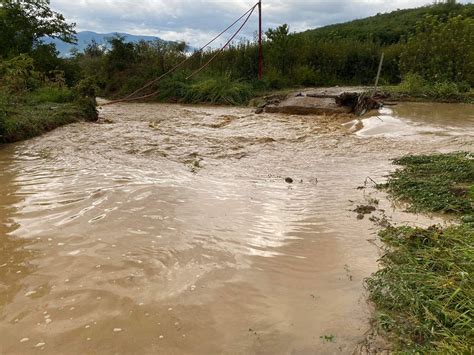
[129,97]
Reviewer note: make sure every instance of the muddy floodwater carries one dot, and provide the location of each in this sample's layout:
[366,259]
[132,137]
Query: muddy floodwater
[170,229]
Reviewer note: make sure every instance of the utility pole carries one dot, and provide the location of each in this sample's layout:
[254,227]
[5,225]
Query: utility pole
[378,75]
[260,45]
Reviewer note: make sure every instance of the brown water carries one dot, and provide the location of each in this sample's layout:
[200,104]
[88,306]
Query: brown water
[171,230]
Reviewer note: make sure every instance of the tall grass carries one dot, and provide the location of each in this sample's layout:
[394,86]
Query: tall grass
[218,91]
[424,291]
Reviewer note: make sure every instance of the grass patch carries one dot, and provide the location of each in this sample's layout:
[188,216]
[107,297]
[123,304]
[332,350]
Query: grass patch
[218,91]
[424,291]
[26,114]
[414,87]
[30,120]
[51,94]
[435,183]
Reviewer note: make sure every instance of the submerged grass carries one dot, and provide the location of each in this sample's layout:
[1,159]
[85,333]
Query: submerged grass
[424,291]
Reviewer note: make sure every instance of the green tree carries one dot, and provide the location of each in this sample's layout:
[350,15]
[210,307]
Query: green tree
[121,56]
[23,23]
[441,51]
[280,48]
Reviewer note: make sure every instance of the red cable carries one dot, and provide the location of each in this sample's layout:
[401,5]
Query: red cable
[225,45]
[128,98]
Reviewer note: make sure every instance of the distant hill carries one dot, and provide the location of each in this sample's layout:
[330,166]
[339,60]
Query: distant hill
[390,27]
[86,37]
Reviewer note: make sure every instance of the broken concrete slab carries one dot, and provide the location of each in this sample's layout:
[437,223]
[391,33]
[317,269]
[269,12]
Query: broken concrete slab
[323,101]
[304,105]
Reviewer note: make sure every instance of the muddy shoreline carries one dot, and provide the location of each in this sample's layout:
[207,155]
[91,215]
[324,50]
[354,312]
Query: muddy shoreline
[171,229]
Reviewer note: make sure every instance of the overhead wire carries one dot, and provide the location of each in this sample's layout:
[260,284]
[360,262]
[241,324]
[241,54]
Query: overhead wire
[129,97]
[225,45]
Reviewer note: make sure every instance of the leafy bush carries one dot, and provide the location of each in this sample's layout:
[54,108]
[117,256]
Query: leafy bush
[305,75]
[86,88]
[88,108]
[52,94]
[18,74]
[413,84]
[275,80]
[464,87]
[173,88]
[441,50]
[3,114]
[85,97]
[444,90]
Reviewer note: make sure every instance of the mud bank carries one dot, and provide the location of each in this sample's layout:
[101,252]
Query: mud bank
[171,229]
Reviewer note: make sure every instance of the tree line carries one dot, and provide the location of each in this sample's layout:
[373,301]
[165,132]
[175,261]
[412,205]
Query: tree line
[431,47]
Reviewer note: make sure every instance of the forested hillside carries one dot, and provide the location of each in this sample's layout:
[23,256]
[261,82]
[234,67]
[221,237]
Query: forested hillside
[392,27]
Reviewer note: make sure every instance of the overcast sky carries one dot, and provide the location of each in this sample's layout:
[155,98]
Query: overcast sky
[195,21]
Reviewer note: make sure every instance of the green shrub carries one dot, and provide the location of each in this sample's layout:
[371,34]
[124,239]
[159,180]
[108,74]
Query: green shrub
[18,75]
[443,90]
[464,87]
[305,75]
[413,84]
[52,94]
[3,114]
[173,88]
[275,80]
[85,93]
[86,88]
[87,107]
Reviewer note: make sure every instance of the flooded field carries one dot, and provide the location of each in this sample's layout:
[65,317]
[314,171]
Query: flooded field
[170,229]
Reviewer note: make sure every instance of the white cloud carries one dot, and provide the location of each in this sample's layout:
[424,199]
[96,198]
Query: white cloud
[195,21]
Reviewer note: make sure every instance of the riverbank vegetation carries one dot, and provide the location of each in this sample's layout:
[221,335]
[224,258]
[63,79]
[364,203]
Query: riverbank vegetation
[39,91]
[429,51]
[424,291]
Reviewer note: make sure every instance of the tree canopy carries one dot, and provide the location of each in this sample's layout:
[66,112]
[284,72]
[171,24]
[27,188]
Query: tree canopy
[23,23]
